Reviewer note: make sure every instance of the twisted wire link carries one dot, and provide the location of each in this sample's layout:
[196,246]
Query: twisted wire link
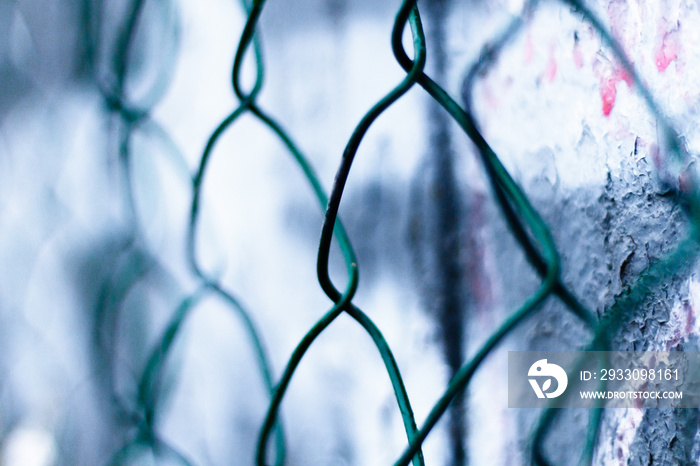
[632,298]
[528,227]
[407,14]
[531,232]
[518,211]
[135,260]
[248,104]
[211,283]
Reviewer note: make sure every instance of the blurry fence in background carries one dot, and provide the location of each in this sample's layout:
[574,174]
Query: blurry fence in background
[123,222]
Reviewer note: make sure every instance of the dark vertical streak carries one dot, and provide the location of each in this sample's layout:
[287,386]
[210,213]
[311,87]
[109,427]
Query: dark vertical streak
[87,40]
[446,221]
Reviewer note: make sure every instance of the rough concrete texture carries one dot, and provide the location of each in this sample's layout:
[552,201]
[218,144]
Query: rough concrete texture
[585,149]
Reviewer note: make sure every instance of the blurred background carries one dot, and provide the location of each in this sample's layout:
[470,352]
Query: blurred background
[105,112]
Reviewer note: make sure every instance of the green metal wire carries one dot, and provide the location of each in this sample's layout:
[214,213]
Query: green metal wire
[197,182]
[520,214]
[407,14]
[248,104]
[528,228]
[634,296]
[135,262]
[515,198]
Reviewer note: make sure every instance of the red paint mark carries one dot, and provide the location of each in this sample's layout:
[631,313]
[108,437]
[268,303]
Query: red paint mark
[608,93]
[663,58]
[621,74]
[667,52]
[608,88]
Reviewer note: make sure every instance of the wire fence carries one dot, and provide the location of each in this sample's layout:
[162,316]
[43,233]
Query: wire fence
[132,116]
[525,223]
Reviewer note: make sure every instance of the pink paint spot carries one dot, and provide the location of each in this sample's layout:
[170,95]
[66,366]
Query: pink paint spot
[663,59]
[621,74]
[667,52]
[608,88]
[608,93]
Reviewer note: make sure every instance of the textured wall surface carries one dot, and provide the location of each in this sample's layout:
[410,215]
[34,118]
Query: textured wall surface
[569,122]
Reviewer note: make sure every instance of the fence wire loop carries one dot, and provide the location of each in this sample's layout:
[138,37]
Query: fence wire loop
[528,228]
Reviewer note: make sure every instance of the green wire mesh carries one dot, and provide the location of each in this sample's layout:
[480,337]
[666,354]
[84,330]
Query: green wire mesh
[531,232]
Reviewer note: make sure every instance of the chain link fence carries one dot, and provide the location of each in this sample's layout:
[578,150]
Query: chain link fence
[146,292]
